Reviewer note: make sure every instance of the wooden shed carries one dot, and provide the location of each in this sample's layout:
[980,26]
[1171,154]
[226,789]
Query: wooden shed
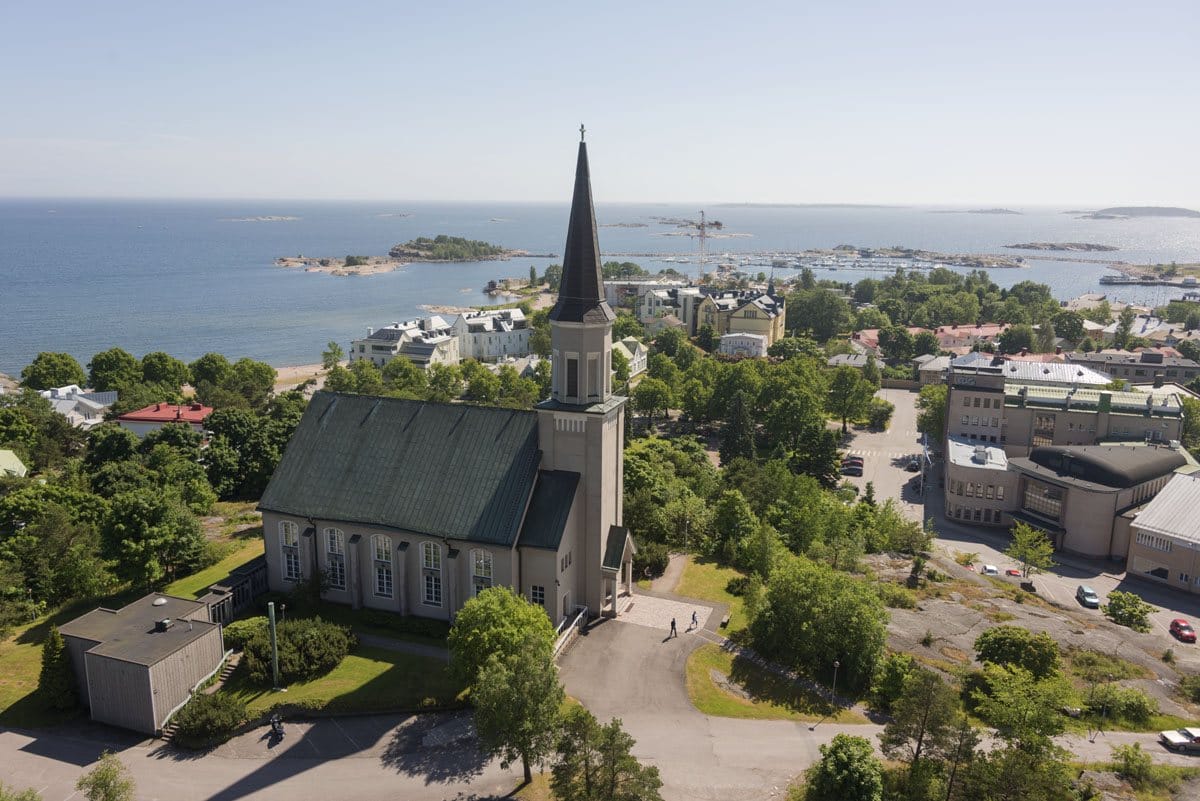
[136,665]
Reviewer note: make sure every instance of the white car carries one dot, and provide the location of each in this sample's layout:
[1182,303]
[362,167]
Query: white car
[990,570]
[1184,740]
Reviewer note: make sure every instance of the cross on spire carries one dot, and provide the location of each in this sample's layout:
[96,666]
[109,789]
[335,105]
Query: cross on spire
[581,131]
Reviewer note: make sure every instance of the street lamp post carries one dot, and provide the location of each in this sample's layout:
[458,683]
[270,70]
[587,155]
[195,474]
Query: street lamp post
[836,665]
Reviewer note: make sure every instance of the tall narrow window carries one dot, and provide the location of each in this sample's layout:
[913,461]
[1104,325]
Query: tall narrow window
[573,378]
[289,546]
[431,567]
[537,595]
[593,376]
[481,570]
[381,550]
[335,557]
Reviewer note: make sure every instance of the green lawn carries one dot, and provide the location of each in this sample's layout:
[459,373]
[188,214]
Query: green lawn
[193,586]
[772,697]
[706,581]
[369,679]
[20,665]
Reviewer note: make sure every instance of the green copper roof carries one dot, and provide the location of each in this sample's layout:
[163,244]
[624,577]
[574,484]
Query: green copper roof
[549,509]
[441,469]
[617,535]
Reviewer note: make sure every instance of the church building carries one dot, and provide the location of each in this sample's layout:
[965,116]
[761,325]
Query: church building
[414,507]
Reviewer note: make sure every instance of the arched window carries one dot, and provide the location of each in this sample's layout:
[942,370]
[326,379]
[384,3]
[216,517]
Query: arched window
[289,548]
[431,568]
[335,558]
[381,550]
[481,570]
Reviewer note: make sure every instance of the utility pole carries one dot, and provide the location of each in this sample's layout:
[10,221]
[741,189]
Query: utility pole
[274,646]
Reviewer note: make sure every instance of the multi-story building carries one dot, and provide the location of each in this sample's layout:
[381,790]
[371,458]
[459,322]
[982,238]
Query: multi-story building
[1165,545]
[491,335]
[752,345]
[736,312]
[1137,367]
[1021,405]
[425,342]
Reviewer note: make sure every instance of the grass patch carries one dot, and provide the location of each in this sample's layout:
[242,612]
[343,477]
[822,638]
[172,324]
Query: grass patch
[1162,784]
[536,790]
[193,586]
[706,580]
[20,666]
[359,621]
[368,680]
[772,697]
[1095,666]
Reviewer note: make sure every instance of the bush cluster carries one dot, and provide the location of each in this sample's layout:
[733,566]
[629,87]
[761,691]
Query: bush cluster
[237,632]
[651,558]
[207,720]
[307,647]
[1122,703]
[895,596]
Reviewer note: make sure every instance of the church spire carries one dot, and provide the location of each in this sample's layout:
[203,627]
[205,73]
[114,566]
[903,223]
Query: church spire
[581,291]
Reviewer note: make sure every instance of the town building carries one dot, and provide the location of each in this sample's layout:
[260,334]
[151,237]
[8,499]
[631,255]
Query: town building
[1137,367]
[11,465]
[414,507]
[855,360]
[81,408]
[1165,545]
[679,302]
[635,352]
[493,334]
[744,345]
[737,312]
[962,338]
[979,486]
[1144,325]
[137,665]
[934,370]
[157,415]
[866,340]
[425,342]
[631,293]
[1021,405]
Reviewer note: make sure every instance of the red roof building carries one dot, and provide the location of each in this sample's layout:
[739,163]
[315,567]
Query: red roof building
[157,415]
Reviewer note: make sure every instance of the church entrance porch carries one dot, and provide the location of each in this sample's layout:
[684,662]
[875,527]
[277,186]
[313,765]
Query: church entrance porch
[617,571]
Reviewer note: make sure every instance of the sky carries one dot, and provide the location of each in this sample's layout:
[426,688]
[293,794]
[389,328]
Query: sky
[1053,102]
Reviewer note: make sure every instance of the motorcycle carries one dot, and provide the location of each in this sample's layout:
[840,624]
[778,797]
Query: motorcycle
[277,726]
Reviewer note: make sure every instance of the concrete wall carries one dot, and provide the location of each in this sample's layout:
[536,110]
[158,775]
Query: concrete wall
[120,693]
[1178,566]
[172,679]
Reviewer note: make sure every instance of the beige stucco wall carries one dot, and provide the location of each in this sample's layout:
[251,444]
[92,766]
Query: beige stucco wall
[960,506]
[1182,561]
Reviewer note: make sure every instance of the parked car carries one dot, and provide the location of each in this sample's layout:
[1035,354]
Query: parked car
[1087,597]
[913,466]
[852,470]
[1012,571]
[1182,630]
[852,460]
[1186,741]
[990,570]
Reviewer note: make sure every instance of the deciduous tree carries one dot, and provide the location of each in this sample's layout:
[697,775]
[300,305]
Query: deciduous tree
[496,621]
[50,369]
[114,369]
[1013,645]
[847,771]
[1031,547]
[108,781]
[849,394]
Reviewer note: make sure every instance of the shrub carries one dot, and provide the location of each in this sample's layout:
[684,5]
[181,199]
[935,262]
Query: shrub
[1132,763]
[237,632]
[737,585]
[879,413]
[1127,609]
[1190,687]
[888,684]
[927,640]
[1168,656]
[935,575]
[1121,703]
[651,559]
[1013,645]
[207,720]
[308,647]
[966,559]
[1094,666]
[895,596]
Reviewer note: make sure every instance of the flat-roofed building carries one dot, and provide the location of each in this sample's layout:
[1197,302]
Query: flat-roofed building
[1165,545]
[1084,497]
[1138,367]
[979,486]
[135,666]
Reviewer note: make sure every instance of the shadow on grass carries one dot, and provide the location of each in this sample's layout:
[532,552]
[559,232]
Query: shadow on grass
[764,685]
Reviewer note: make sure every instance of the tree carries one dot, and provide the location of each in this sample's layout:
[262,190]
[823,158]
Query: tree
[496,621]
[1016,338]
[1125,321]
[849,394]
[669,340]
[620,366]
[553,276]
[847,771]
[871,374]
[445,382]
[1127,609]
[533,276]
[114,369]
[108,781]
[56,682]
[516,697]
[820,311]
[164,370]
[333,354]
[896,343]
[367,378]
[1013,645]
[8,793]
[813,615]
[651,395]
[1087,345]
[400,375]
[1024,711]
[1032,548]
[737,437]
[152,536]
[1043,338]
[48,370]
[626,325]
[211,369]
[595,763]
[733,522]
[923,721]
[1069,325]
[706,338]
[879,413]
[925,342]
[1190,436]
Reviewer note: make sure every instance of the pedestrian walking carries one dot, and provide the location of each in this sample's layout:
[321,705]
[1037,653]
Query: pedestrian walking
[674,633]
[695,620]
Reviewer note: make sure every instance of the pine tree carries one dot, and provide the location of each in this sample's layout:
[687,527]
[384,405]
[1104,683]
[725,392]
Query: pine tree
[737,438]
[57,682]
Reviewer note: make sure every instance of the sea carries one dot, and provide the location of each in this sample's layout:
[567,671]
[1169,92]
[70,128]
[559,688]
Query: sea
[189,277]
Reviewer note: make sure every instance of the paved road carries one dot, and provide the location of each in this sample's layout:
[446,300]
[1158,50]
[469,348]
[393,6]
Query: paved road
[885,453]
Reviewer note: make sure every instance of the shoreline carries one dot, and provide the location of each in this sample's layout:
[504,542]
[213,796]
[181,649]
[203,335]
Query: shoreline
[378,265]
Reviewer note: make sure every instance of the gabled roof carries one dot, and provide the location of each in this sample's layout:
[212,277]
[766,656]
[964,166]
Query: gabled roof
[581,292]
[1172,513]
[440,469]
[618,537]
[549,509]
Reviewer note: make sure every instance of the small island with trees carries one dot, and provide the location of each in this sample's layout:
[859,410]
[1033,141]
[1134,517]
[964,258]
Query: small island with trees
[1079,247]
[441,248]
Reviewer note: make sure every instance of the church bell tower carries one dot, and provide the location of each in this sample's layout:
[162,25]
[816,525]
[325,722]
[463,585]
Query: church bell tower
[581,425]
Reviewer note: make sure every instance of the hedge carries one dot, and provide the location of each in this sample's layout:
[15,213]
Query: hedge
[308,647]
[207,720]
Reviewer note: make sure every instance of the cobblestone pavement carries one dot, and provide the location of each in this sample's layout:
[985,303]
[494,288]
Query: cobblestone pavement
[656,613]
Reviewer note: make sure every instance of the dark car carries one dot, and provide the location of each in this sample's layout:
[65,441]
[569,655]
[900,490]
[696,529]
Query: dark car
[1182,630]
[852,470]
[913,466]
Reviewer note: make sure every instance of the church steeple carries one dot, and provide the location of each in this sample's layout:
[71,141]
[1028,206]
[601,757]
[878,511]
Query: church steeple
[581,291]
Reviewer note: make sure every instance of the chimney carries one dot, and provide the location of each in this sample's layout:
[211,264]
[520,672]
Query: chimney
[158,407]
[1158,380]
[370,330]
[1058,350]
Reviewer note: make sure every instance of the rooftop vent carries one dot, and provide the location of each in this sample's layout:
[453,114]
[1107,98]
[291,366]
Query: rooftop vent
[164,624]
[160,602]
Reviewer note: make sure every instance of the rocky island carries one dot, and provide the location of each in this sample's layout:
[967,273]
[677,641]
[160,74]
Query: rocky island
[442,249]
[1080,247]
[1125,212]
